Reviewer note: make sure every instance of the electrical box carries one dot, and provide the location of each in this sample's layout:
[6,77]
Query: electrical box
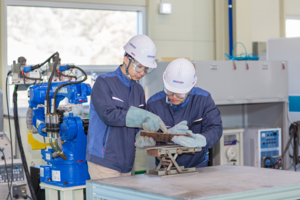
[19,185]
[165,8]
[36,180]
[58,76]
[259,143]
[18,75]
[17,189]
[19,78]
[229,149]
[18,172]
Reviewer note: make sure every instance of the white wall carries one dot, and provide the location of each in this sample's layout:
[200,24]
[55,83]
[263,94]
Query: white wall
[265,19]
[256,20]
[187,32]
[242,24]
[292,7]
[114,2]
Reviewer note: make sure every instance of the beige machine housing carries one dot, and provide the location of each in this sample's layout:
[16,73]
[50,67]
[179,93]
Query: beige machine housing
[229,149]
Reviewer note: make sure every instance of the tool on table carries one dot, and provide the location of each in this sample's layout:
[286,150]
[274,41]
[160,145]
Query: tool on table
[167,154]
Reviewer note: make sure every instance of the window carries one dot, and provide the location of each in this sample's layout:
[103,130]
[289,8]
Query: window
[292,26]
[87,35]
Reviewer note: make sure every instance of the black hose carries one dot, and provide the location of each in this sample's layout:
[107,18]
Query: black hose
[69,76]
[39,65]
[70,83]
[50,81]
[37,79]
[19,139]
[11,145]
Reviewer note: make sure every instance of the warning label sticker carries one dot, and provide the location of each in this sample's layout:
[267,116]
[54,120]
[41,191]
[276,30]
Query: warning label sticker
[42,172]
[55,175]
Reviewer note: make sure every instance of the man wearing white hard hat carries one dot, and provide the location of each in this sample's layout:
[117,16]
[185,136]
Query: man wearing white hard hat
[182,106]
[117,111]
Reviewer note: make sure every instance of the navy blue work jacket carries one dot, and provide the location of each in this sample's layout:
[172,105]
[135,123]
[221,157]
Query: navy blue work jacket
[110,143]
[197,105]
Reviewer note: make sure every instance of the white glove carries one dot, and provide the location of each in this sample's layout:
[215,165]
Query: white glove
[179,128]
[196,140]
[144,141]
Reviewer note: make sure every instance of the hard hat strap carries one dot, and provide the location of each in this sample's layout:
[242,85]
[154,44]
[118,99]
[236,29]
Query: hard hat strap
[126,68]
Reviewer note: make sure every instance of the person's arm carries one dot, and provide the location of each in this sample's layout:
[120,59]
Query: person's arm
[212,123]
[105,105]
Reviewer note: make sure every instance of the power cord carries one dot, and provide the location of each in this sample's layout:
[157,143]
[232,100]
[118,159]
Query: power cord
[11,144]
[19,139]
[25,196]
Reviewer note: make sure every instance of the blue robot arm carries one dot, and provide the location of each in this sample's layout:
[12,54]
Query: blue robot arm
[68,158]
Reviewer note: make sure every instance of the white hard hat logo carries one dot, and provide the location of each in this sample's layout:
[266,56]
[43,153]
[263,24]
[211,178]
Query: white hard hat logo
[132,54]
[132,45]
[150,56]
[181,82]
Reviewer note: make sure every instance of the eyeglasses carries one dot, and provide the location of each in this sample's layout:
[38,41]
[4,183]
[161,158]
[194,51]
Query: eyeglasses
[178,95]
[139,68]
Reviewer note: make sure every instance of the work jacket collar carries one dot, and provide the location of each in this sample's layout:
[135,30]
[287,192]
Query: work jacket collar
[179,106]
[123,78]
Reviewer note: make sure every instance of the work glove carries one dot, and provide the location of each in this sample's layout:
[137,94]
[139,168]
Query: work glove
[143,141]
[140,118]
[179,128]
[195,140]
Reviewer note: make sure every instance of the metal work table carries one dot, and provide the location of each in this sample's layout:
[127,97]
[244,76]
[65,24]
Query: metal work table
[217,182]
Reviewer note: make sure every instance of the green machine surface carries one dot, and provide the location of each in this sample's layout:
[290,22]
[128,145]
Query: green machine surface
[217,182]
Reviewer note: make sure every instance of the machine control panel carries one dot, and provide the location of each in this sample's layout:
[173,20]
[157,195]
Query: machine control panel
[229,149]
[230,139]
[270,145]
[18,173]
[269,139]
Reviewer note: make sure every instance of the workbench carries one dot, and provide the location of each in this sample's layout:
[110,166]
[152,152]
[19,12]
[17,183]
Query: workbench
[217,182]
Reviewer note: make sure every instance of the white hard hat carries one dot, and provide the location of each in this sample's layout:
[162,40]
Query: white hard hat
[180,76]
[142,49]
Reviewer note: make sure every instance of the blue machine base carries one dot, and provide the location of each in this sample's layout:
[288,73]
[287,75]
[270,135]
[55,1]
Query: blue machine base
[65,174]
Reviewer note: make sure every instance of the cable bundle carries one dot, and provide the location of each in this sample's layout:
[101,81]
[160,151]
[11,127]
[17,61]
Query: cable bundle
[294,131]
[242,56]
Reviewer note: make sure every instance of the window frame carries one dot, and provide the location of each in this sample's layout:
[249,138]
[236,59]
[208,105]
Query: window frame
[89,69]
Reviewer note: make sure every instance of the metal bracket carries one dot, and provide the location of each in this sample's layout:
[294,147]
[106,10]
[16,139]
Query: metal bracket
[35,145]
[167,157]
